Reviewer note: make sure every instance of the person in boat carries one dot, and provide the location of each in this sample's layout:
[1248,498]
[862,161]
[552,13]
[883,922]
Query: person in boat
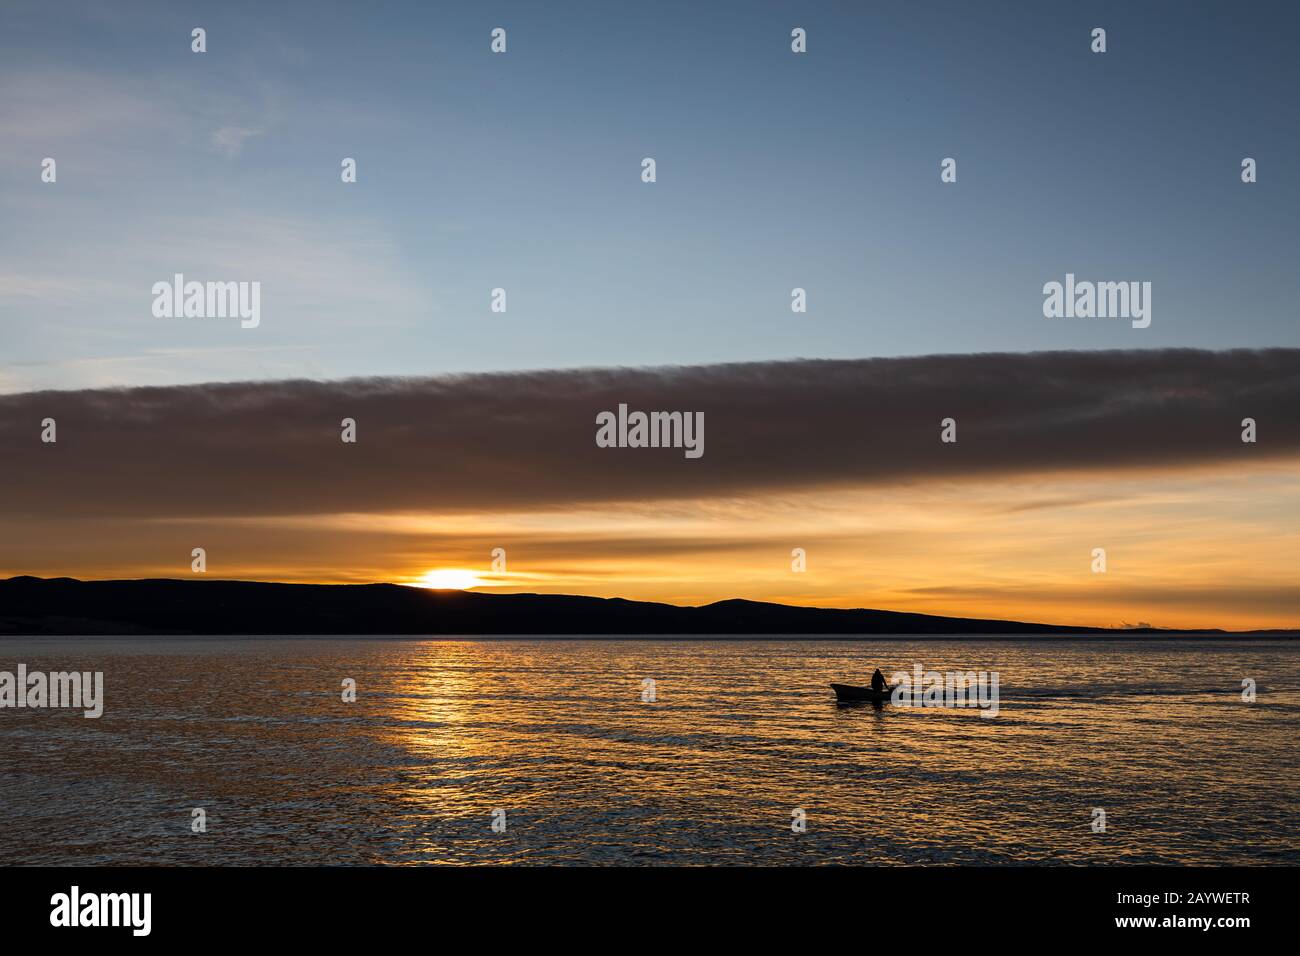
[878,682]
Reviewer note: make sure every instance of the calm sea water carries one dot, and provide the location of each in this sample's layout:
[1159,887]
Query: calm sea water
[444,733]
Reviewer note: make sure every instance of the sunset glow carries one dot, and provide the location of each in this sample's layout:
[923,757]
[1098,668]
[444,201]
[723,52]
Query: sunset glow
[1017,549]
[456,579]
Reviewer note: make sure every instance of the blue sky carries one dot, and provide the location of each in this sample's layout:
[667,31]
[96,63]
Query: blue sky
[522,171]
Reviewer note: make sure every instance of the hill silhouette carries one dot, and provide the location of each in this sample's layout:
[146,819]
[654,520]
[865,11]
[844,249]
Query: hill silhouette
[65,606]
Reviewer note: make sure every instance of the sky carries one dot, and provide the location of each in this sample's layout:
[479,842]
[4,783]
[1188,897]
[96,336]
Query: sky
[522,171]
[775,170]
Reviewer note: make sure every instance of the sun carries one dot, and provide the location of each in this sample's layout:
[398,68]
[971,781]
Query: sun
[450,579]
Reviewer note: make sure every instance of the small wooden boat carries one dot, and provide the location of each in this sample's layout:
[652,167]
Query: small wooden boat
[850,692]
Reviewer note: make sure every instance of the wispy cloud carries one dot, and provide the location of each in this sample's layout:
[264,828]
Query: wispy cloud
[230,139]
[325,283]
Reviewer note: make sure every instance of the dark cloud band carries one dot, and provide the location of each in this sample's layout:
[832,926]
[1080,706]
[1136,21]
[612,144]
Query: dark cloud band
[527,440]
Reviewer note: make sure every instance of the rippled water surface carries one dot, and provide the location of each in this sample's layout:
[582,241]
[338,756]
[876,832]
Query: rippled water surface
[444,733]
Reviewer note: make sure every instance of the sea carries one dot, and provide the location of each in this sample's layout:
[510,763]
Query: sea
[616,751]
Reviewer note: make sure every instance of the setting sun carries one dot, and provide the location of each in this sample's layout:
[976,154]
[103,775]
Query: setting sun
[450,578]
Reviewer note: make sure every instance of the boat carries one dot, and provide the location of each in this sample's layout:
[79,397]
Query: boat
[850,692]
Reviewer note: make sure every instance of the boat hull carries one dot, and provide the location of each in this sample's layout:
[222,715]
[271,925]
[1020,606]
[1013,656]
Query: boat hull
[851,692]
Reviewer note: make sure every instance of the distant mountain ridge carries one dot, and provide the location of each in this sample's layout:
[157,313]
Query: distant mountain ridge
[65,606]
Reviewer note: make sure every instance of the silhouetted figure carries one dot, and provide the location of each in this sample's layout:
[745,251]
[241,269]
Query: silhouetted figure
[878,682]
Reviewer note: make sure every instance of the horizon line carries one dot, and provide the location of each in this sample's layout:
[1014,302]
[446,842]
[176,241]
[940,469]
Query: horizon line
[490,591]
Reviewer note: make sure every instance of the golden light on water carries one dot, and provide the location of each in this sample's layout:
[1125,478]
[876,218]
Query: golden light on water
[450,578]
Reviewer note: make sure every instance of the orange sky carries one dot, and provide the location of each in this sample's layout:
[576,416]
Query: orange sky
[1207,547]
